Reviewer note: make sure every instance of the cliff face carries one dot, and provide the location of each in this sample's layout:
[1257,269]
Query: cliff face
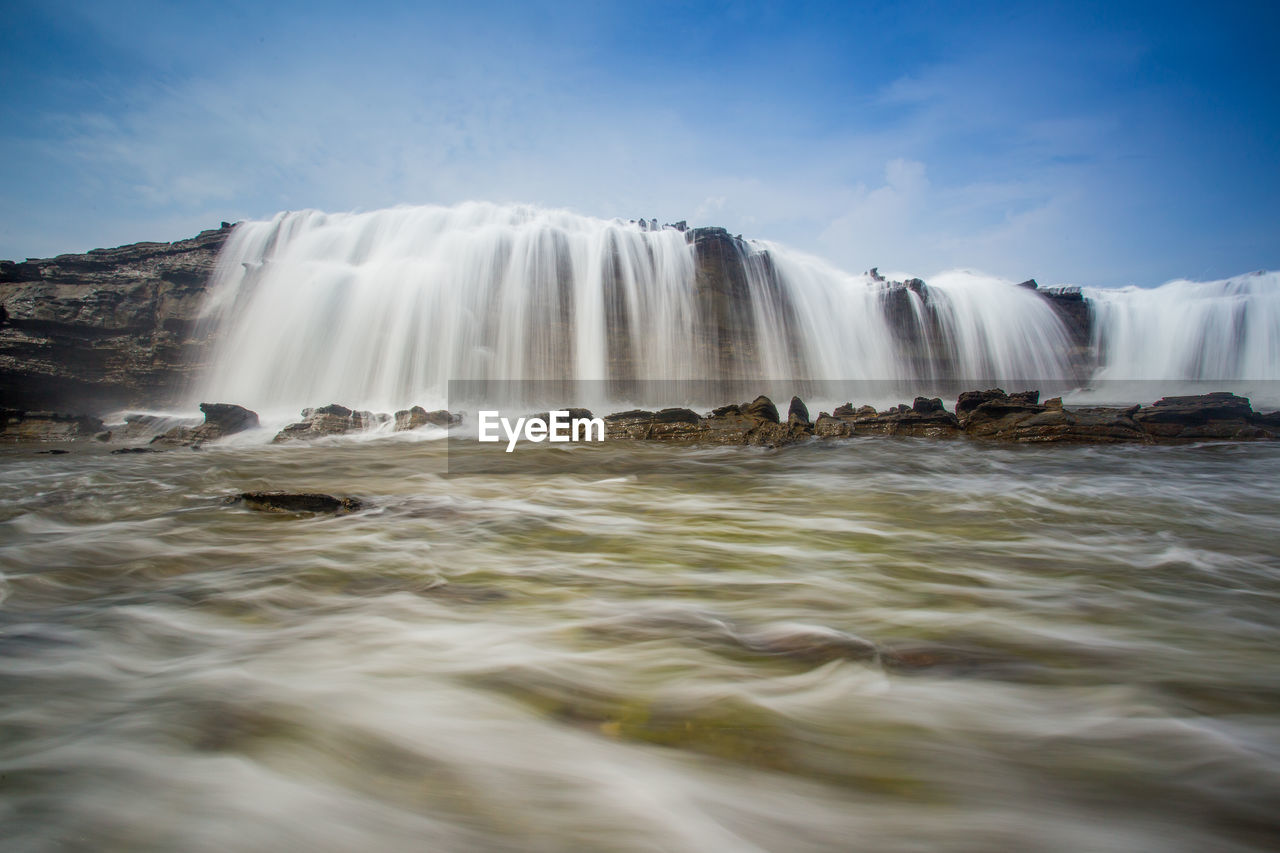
[103,330]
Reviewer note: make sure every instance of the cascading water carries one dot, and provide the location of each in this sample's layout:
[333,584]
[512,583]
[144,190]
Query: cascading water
[1227,329]
[382,309]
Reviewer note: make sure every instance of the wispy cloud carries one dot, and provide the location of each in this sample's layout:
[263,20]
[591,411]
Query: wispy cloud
[967,142]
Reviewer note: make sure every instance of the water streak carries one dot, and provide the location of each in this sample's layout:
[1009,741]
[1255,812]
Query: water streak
[1228,329]
[382,309]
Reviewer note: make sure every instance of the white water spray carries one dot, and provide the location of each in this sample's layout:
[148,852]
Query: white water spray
[380,310]
[1213,330]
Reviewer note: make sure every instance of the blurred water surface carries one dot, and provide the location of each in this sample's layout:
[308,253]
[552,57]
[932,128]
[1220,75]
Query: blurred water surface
[875,644]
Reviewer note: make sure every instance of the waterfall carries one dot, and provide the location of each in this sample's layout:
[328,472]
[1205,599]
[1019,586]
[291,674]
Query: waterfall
[382,309]
[1215,330]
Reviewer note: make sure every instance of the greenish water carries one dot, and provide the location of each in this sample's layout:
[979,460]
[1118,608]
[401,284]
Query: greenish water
[868,645]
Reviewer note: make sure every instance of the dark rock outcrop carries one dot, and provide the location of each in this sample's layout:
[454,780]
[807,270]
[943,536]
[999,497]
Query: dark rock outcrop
[798,415]
[105,330]
[296,502]
[332,419]
[139,427]
[762,407]
[1073,310]
[754,423]
[220,421]
[1020,417]
[992,415]
[925,418]
[20,426]
[1219,415]
[416,417]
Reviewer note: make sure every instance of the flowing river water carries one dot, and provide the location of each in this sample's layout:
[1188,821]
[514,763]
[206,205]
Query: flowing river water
[871,644]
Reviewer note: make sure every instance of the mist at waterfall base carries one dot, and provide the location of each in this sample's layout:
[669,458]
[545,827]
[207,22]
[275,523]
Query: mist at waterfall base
[381,310]
[873,643]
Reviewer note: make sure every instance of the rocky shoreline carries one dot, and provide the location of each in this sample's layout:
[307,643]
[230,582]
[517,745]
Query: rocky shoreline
[989,415]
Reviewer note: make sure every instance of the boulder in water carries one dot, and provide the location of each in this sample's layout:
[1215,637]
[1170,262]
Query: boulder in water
[332,419]
[297,502]
[220,420]
[762,407]
[753,423]
[675,424]
[798,414]
[227,418]
[994,414]
[812,644]
[632,424]
[925,418]
[1219,415]
[416,417]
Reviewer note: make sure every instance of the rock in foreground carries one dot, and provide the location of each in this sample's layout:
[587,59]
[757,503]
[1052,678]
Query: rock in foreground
[220,420]
[312,502]
[46,426]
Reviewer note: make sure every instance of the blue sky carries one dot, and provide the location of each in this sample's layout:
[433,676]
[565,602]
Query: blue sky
[1093,143]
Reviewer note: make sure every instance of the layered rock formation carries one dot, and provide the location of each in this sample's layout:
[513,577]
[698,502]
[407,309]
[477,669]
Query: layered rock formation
[220,421]
[20,426]
[754,423]
[107,329]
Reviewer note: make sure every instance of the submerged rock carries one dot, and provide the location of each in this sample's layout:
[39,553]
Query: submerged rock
[313,502]
[808,643]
